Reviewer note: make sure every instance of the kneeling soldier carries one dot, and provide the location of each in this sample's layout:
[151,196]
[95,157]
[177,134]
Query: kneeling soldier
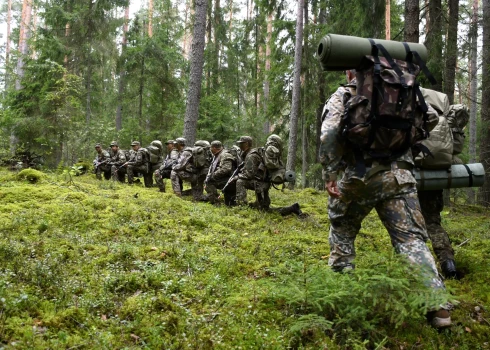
[220,171]
[100,163]
[138,163]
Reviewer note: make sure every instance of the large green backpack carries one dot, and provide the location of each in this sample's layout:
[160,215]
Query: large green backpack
[271,155]
[201,154]
[447,138]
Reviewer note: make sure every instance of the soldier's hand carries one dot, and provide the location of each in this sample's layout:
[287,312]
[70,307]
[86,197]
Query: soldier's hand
[332,189]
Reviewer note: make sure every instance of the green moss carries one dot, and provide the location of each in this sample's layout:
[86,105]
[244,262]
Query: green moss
[31,175]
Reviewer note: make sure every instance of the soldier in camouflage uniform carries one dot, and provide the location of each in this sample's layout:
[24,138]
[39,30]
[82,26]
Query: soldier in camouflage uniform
[101,163]
[389,188]
[138,163]
[253,176]
[166,168]
[118,158]
[222,167]
[184,170]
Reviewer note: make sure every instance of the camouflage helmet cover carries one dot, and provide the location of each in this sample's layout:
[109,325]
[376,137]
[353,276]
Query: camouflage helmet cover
[180,141]
[114,143]
[216,144]
[243,139]
[202,143]
[135,143]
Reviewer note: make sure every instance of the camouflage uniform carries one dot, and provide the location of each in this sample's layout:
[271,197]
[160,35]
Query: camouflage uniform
[222,167]
[138,163]
[166,169]
[390,189]
[184,170]
[252,177]
[118,158]
[102,159]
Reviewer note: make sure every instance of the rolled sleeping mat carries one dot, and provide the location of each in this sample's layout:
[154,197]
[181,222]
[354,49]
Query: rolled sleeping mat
[458,176]
[343,52]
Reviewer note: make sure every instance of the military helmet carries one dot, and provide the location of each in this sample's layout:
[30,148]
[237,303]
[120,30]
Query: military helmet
[170,142]
[216,144]
[157,144]
[98,145]
[202,143]
[114,143]
[180,141]
[135,143]
[274,138]
[243,139]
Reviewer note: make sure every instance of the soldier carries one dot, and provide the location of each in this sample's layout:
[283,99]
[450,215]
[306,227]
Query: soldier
[390,188]
[118,158]
[155,151]
[184,169]
[166,168]
[220,171]
[100,163]
[138,163]
[253,176]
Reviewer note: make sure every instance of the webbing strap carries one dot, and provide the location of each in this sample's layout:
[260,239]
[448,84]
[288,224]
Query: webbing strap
[424,68]
[470,173]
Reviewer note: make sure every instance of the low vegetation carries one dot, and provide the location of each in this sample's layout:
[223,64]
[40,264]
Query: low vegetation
[89,264]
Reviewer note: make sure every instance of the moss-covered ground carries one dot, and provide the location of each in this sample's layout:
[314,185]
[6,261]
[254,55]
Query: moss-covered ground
[86,264]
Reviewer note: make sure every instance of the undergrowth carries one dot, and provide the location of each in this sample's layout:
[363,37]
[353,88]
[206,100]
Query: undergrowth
[89,264]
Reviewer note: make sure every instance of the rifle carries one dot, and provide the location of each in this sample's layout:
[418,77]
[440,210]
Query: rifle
[232,178]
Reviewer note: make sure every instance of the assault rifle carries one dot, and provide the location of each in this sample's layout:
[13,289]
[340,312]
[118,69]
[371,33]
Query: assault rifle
[232,178]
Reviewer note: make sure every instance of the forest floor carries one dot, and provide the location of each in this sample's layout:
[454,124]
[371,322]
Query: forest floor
[87,264]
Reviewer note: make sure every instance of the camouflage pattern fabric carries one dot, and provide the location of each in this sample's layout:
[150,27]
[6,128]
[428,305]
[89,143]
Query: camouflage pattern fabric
[118,158]
[166,168]
[139,164]
[184,170]
[394,196]
[432,203]
[102,159]
[391,192]
[252,177]
[221,169]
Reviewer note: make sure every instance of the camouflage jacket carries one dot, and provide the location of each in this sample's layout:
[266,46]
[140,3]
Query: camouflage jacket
[184,162]
[335,154]
[170,160]
[118,158]
[102,157]
[254,168]
[222,166]
[139,158]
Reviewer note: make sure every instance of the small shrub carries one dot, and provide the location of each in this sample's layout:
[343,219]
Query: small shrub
[31,175]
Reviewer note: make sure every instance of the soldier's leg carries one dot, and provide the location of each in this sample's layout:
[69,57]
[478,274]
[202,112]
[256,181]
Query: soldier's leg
[404,221]
[345,223]
[212,192]
[432,203]
[230,194]
[197,185]
[114,172]
[241,191]
[130,171]
[159,181]
[107,171]
[98,173]
[176,183]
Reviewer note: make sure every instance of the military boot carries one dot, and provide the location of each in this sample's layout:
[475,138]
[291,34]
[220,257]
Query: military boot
[448,268]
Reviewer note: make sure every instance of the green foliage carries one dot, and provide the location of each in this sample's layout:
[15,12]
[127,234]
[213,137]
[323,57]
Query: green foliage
[85,263]
[31,175]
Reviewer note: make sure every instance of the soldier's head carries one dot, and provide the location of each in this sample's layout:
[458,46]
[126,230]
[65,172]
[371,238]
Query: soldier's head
[274,140]
[135,145]
[180,143]
[350,75]
[216,147]
[114,146]
[98,147]
[170,145]
[245,143]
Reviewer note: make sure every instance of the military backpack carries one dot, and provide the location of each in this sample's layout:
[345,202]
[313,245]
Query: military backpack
[387,115]
[201,154]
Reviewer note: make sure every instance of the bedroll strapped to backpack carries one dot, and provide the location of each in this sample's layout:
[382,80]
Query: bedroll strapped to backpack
[388,114]
[457,118]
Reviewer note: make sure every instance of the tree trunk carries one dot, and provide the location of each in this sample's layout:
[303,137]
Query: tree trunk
[484,195]
[23,36]
[7,44]
[412,13]
[208,40]
[267,125]
[293,123]
[122,72]
[388,20]
[304,134]
[216,65]
[473,92]
[88,78]
[140,96]
[451,49]
[150,18]
[195,79]
[321,91]
[434,42]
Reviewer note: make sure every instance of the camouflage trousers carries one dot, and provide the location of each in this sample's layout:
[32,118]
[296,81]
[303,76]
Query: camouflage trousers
[229,193]
[432,203]
[260,188]
[394,196]
[103,169]
[118,173]
[196,181]
[143,169]
[160,175]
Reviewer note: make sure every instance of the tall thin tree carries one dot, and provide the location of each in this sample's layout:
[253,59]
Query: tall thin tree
[451,49]
[293,123]
[195,78]
[412,14]
[122,71]
[484,195]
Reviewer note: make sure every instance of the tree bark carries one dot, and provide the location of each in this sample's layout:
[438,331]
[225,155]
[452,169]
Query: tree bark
[484,193]
[388,20]
[321,92]
[122,72]
[293,123]
[23,36]
[195,79]
[473,92]
[267,125]
[412,13]
[434,42]
[7,44]
[451,49]
[304,134]
[150,18]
